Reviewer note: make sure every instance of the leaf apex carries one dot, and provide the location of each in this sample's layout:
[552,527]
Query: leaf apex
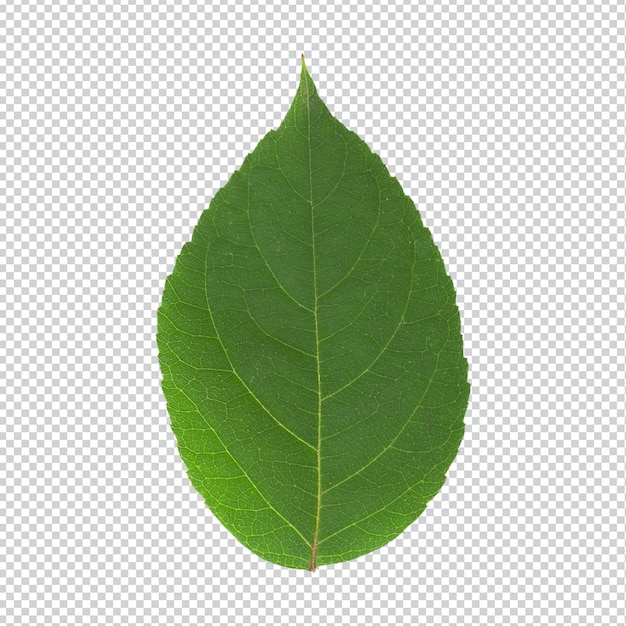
[304,72]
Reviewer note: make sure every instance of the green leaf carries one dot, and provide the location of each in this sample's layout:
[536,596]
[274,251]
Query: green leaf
[310,348]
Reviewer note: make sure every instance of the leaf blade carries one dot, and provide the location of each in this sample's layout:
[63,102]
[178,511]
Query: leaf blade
[325,365]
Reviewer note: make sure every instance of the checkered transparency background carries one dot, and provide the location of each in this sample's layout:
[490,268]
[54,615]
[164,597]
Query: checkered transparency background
[504,122]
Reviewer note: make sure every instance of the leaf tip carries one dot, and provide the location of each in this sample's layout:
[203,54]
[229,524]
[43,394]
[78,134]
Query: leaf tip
[304,70]
[305,78]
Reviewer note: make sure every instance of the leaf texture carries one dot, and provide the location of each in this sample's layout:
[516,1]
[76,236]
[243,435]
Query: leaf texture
[310,347]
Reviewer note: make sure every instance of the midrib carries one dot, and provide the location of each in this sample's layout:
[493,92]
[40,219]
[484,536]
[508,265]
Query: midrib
[317,344]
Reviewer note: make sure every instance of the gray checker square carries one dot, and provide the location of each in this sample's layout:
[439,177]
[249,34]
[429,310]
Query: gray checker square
[504,121]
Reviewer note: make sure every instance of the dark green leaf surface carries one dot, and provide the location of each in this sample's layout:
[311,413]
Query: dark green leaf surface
[310,347]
